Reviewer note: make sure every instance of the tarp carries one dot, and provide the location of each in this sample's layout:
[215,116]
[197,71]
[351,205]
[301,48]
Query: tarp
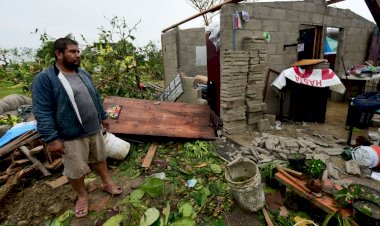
[316,78]
[331,46]
[16,131]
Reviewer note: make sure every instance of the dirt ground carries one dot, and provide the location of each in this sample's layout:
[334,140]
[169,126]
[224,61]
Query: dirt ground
[33,200]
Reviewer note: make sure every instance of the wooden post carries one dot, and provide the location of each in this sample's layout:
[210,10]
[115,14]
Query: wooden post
[39,165]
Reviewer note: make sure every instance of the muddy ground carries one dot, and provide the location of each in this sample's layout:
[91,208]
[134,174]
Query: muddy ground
[33,200]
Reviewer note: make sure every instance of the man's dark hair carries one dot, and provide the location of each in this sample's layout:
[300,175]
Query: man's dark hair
[62,43]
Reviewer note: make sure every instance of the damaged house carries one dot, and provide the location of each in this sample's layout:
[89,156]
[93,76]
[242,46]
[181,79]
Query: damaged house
[259,40]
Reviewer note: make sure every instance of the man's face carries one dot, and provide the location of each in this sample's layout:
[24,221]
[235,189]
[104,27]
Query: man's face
[71,57]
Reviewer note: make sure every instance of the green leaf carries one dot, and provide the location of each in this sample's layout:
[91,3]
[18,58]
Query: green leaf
[186,210]
[166,212]
[150,216]
[328,218]
[64,219]
[216,168]
[115,220]
[184,222]
[153,186]
[137,195]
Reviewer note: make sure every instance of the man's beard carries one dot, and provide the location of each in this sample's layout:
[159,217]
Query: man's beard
[71,65]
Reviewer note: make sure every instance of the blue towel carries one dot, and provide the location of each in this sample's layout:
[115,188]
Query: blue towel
[17,130]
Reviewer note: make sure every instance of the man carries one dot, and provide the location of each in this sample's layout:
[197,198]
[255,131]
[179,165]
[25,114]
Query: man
[70,117]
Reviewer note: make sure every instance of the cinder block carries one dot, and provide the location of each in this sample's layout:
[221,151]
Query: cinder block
[263,125]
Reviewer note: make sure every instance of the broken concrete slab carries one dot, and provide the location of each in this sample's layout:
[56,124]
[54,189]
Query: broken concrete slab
[352,167]
[333,151]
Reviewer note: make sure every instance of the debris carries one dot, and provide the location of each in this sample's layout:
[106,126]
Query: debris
[55,208]
[191,183]
[36,150]
[352,167]
[284,212]
[293,172]
[13,182]
[267,217]
[375,175]
[57,182]
[35,161]
[149,155]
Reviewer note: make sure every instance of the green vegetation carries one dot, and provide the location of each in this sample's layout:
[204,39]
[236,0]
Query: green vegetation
[184,186]
[117,65]
[7,88]
[315,168]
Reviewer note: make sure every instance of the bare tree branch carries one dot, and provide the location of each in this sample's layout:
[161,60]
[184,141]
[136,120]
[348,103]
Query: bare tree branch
[202,5]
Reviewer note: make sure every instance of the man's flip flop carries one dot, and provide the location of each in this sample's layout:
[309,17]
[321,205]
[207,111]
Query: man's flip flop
[111,189]
[81,208]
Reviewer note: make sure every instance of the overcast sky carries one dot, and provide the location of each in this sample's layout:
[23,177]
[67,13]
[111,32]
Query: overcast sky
[19,18]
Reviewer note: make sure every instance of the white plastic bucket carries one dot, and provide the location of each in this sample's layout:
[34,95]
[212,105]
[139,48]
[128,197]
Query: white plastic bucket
[366,156]
[249,194]
[116,148]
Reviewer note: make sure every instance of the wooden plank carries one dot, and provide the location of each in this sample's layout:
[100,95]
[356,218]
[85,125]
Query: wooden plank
[267,217]
[296,183]
[57,182]
[164,119]
[149,155]
[293,172]
[21,140]
[326,203]
[39,165]
[212,9]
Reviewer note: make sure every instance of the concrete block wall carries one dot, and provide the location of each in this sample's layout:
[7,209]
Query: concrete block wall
[169,53]
[257,70]
[179,52]
[283,20]
[234,70]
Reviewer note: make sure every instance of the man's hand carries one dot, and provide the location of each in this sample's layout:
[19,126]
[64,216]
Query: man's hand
[56,147]
[106,125]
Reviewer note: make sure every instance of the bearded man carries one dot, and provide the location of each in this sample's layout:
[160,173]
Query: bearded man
[70,118]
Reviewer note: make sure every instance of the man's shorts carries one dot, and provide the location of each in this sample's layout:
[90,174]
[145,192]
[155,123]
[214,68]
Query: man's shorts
[80,152]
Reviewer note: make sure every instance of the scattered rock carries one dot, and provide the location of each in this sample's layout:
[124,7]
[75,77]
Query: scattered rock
[55,208]
[333,151]
[333,172]
[22,223]
[352,167]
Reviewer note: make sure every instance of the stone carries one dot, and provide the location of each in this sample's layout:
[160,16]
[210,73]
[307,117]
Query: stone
[263,125]
[55,208]
[323,157]
[352,167]
[265,158]
[271,118]
[333,172]
[333,151]
[263,151]
[291,144]
[22,223]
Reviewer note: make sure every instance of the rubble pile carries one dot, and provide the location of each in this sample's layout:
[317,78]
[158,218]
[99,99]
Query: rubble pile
[268,147]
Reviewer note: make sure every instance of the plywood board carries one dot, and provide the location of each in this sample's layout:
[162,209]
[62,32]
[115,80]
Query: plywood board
[159,118]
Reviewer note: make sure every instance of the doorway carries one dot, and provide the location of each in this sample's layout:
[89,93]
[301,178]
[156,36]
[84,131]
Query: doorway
[309,42]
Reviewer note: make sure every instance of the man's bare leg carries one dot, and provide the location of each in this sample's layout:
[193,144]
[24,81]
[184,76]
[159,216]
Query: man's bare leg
[81,206]
[107,183]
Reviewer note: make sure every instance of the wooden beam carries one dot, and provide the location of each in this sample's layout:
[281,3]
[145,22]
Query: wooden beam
[212,9]
[19,141]
[39,165]
[149,155]
[267,217]
[333,1]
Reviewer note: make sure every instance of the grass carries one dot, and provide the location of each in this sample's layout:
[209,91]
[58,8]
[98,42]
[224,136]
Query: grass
[7,88]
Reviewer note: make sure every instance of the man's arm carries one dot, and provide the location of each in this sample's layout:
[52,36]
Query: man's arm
[43,107]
